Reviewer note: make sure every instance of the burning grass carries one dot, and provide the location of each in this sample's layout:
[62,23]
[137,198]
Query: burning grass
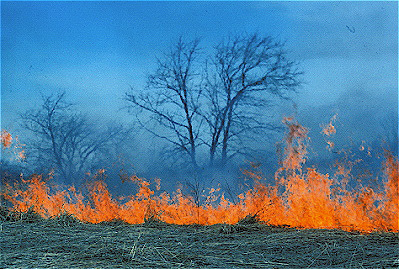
[308,201]
[302,198]
[65,228]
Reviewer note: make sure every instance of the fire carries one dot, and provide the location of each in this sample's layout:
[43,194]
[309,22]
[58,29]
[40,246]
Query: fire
[300,197]
[6,139]
[329,129]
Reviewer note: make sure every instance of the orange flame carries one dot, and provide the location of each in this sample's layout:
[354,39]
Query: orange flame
[6,139]
[329,129]
[299,198]
[6,142]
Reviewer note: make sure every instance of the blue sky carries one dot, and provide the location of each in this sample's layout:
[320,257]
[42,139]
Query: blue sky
[96,50]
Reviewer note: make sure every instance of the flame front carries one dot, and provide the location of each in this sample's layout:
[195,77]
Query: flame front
[306,199]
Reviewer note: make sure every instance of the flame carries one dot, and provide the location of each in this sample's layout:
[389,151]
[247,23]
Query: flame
[6,139]
[300,197]
[329,129]
[6,142]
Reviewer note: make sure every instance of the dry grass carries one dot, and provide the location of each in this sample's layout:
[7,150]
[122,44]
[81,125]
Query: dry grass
[65,242]
[29,216]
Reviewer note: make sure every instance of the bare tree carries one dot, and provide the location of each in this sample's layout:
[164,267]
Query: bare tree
[221,104]
[245,73]
[171,99]
[64,139]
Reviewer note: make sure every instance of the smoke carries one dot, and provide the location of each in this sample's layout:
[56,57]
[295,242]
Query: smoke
[362,115]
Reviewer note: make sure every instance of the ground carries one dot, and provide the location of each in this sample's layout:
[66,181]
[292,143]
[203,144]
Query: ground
[65,243]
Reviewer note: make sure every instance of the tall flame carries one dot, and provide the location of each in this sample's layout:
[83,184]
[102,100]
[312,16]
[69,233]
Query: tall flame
[300,198]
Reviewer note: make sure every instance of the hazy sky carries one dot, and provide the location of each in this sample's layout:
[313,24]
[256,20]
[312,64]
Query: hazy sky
[96,50]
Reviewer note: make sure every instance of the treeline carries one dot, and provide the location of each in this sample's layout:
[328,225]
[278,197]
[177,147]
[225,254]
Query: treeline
[210,107]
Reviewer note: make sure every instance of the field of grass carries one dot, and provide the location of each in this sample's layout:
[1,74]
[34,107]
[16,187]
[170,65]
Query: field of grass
[64,242]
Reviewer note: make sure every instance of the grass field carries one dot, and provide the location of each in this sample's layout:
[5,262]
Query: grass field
[67,243]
